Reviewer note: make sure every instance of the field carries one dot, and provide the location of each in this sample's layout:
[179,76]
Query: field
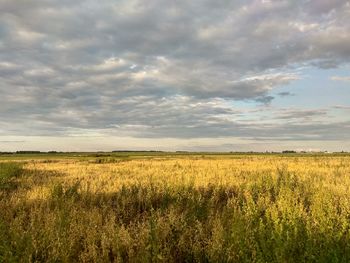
[175,208]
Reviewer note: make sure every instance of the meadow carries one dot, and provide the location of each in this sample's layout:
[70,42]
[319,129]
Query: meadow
[175,208]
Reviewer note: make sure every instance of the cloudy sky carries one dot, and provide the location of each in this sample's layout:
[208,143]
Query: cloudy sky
[174,75]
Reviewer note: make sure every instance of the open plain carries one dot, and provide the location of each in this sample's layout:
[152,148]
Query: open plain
[175,207]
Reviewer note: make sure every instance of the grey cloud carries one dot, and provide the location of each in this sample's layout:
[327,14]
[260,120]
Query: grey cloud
[285,94]
[159,68]
[341,107]
[265,99]
[183,117]
[324,6]
[326,64]
[291,114]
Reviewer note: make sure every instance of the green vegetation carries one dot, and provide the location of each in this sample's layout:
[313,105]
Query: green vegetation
[32,155]
[247,209]
[8,172]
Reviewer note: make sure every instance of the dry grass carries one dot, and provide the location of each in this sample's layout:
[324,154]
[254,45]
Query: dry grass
[242,209]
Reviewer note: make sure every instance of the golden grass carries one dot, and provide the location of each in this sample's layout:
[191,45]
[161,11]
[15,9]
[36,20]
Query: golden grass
[219,209]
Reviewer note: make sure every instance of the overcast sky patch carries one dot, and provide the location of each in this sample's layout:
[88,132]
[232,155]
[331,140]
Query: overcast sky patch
[180,70]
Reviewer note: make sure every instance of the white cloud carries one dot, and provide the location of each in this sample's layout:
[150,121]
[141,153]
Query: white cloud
[340,78]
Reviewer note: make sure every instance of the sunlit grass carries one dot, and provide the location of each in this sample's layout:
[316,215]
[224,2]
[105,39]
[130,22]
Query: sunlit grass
[217,209]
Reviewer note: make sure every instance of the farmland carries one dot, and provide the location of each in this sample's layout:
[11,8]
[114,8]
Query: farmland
[175,208]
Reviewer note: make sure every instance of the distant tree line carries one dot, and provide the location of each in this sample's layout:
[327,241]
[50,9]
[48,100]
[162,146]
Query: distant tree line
[288,151]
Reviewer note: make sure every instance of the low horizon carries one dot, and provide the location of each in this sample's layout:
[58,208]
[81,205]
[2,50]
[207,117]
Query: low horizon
[167,151]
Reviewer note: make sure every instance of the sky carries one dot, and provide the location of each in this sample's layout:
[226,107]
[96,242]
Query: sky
[256,75]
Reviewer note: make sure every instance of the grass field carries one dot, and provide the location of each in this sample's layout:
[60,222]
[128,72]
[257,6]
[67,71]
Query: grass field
[163,207]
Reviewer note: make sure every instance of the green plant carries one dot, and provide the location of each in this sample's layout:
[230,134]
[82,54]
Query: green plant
[8,172]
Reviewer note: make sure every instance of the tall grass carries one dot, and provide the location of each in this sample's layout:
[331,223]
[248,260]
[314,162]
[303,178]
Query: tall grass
[260,209]
[8,172]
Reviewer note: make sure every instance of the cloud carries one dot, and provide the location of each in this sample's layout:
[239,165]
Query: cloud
[340,78]
[12,142]
[341,107]
[291,114]
[265,100]
[161,68]
[285,94]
